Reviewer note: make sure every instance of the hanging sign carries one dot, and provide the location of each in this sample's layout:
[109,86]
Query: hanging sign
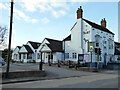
[90,46]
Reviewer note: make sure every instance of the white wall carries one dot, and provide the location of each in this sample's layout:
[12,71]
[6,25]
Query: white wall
[16,50]
[43,49]
[59,56]
[23,49]
[104,36]
[22,59]
[77,43]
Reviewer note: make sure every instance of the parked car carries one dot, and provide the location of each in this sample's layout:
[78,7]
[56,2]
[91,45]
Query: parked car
[2,62]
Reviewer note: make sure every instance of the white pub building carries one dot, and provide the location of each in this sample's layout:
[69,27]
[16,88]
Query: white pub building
[82,33]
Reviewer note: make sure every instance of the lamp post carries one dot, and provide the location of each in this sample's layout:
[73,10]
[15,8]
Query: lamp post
[91,48]
[40,64]
[10,36]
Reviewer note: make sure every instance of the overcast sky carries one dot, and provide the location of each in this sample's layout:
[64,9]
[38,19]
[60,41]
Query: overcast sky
[34,20]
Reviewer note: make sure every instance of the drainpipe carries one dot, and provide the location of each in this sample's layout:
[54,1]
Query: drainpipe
[64,50]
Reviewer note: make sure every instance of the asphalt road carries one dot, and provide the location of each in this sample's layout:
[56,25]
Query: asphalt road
[68,78]
[92,81]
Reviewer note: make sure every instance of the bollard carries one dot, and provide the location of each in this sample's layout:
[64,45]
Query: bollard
[40,66]
[49,63]
[58,63]
[76,67]
[69,63]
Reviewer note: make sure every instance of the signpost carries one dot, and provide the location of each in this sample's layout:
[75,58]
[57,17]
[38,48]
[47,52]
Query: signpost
[91,48]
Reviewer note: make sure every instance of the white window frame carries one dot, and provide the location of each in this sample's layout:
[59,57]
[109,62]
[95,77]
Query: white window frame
[74,55]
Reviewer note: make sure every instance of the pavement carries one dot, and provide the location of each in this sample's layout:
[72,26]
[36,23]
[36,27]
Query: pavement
[52,72]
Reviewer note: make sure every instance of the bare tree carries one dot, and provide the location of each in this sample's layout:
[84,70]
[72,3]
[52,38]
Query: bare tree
[3,31]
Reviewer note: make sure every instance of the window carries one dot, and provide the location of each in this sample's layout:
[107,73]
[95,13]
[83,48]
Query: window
[74,55]
[24,56]
[97,44]
[66,55]
[15,56]
[110,43]
[105,42]
[38,55]
[29,56]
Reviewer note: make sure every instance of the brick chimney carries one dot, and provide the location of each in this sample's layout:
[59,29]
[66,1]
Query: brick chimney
[79,12]
[103,22]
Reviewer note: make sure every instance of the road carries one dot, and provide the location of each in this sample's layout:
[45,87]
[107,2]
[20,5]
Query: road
[66,78]
[92,81]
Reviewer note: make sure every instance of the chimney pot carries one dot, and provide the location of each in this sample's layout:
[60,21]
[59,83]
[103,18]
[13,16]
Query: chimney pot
[103,22]
[79,12]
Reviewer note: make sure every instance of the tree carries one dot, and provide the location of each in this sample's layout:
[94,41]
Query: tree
[5,54]
[3,31]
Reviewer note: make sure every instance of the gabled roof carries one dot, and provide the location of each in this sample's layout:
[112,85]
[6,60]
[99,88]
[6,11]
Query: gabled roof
[19,47]
[55,45]
[16,47]
[67,38]
[28,48]
[98,26]
[35,45]
[74,25]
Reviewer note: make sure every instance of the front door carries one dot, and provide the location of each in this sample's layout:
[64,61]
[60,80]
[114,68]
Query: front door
[50,57]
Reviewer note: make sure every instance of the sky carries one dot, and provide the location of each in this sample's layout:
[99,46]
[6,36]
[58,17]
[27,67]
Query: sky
[34,19]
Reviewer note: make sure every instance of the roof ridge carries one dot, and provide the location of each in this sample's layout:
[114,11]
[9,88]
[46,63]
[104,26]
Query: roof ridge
[53,39]
[33,42]
[98,26]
